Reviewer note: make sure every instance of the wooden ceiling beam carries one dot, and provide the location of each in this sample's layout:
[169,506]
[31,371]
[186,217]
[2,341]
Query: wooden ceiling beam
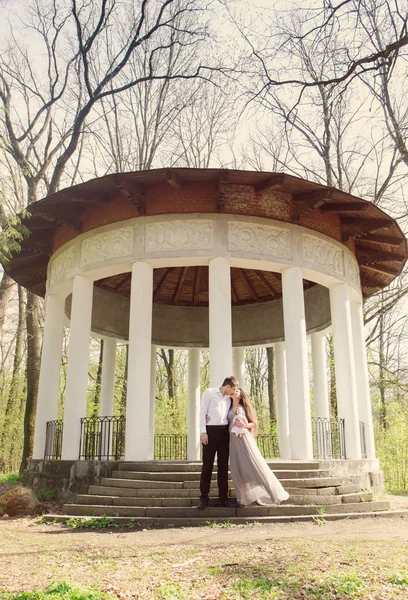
[39,222]
[382,269]
[162,282]
[248,285]
[125,280]
[61,215]
[174,179]
[368,280]
[340,207]
[274,182]
[380,239]
[367,255]
[93,198]
[197,283]
[354,227]
[234,294]
[304,202]
[180,284]
[261,277]
[136,193]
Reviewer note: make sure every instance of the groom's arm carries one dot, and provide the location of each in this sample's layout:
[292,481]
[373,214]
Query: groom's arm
[205,402]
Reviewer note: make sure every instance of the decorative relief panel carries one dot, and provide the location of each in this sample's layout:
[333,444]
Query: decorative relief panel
[179,235]
[62,264]
[353,271]
[259,239]
[323,253]
[108,245]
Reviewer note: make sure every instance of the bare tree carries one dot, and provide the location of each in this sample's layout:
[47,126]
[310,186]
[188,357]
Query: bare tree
[86,50]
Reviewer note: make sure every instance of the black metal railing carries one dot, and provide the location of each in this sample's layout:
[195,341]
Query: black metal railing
[174,446]
[170,446]
[363,440]
[328,438]
[102,438]
[53,440]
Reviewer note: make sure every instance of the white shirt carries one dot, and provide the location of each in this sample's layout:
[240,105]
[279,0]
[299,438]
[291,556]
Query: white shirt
[215,406]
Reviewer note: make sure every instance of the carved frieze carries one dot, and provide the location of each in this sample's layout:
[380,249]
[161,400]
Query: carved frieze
[62,264]
[353,271]
[105,246]
[266,240]
[323,253]
[179,235]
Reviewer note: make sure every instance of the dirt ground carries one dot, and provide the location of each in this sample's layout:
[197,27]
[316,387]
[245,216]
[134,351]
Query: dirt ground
[132,563]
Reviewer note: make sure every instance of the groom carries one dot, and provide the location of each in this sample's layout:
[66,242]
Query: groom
[214,435]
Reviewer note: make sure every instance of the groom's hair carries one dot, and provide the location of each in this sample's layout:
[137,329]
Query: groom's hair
[231,381]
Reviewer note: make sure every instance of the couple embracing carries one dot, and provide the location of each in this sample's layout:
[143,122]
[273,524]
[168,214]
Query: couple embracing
[227,425]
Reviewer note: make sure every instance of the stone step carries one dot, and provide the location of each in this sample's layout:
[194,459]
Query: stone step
[324,491]
[348,489]
[133,483]
[87,499]
[195,475]
[221,512]
[99,490]
[163,466]
[319,482]
[192,500]
[204,521]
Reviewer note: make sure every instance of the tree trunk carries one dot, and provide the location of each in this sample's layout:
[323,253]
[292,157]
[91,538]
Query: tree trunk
[6,287]
[333,391]
[271,380]
[12,415]
[97,396]
[33,373]
[123,395]
[382,375]
[168,359]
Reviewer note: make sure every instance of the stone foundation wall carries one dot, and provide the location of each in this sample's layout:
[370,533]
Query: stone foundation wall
[365,472]
[71,477]
[67,477]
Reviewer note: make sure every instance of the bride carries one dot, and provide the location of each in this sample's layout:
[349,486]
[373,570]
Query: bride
[253,480]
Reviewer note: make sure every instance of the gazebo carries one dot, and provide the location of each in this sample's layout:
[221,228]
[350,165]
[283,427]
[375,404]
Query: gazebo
[207,258]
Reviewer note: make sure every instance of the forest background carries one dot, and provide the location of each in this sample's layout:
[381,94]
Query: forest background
[314,89]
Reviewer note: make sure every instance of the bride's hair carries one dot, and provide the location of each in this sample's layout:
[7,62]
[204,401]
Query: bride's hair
[249,409]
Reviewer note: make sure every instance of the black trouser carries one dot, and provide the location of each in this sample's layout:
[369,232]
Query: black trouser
[218,443]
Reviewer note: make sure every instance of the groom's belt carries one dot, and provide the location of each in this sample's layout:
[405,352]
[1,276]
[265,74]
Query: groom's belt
[218,426]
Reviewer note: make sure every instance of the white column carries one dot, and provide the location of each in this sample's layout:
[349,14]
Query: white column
[345,368]
[282,415]
[48,389]
[219,273]
[152,401]
[362,381]
[300,426]
[193,435]
[77,369]
[139,373]
[238,365]
[320,387]
[108,377]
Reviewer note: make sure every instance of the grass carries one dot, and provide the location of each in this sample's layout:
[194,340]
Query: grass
[60,591]
[217,563]
[102,522]
[9,478]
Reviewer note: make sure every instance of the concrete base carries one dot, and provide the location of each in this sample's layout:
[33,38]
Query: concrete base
[67,477]
[365,472]
[72,477]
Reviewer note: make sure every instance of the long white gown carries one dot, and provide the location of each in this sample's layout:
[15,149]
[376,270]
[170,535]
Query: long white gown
[254,481]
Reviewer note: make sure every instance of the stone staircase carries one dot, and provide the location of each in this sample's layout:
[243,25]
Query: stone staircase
[166,493]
